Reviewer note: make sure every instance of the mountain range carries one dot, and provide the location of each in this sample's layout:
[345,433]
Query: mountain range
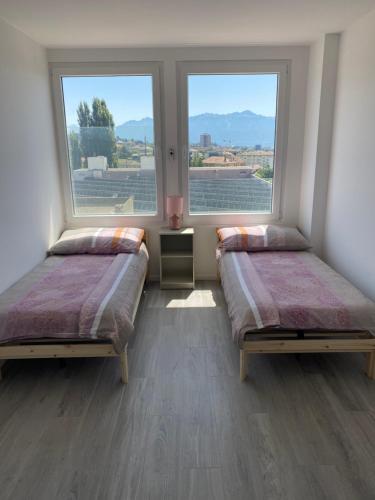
[243,128]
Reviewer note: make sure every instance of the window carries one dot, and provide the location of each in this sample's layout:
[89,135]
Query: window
[231,133]
[111,141]
[230,123]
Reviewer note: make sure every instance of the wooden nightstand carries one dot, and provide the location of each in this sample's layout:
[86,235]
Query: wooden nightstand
[177,258]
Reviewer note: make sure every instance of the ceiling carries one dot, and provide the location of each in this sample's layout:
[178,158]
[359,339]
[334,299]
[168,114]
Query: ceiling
[134,23]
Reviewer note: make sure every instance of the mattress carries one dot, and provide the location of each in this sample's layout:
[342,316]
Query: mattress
[290,291]
[90,297]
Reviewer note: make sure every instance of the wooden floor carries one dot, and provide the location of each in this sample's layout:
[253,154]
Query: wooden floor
[301,427]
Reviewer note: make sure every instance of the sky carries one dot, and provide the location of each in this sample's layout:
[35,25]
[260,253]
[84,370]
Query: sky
[130,97]
[127,97]
[229,93]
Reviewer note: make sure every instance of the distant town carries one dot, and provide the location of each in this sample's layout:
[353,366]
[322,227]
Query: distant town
[113,168]
[208,154]
[131,153]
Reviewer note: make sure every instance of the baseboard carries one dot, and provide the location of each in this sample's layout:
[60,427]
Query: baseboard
[198,277]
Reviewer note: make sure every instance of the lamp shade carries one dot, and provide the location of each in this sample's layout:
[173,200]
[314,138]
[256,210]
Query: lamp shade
[175,208]
[175,205]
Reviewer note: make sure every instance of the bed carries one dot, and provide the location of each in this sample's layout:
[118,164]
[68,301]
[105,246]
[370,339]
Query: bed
[283,299]
[80,302]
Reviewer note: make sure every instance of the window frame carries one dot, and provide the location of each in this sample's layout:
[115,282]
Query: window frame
[280,67]
[60,70]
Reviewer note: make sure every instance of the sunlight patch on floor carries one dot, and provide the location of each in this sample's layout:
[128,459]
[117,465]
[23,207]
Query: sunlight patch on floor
[196,298]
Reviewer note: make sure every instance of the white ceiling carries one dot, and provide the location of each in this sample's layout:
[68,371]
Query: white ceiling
[103,23]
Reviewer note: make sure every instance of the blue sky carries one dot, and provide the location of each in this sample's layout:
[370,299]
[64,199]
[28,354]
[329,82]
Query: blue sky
[130,98]
[228,93]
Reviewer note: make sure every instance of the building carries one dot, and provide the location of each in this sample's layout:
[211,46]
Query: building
[148,162]
[97,163]
[205,140]
[258,158]
[227,160]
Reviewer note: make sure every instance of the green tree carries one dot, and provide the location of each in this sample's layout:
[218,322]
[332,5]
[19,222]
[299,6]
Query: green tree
[74,150]
[265,172]
[84,122]
[97,130]
[196,160]
[101,116]
[84,115]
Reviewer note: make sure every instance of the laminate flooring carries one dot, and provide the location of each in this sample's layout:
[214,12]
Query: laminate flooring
[300,427]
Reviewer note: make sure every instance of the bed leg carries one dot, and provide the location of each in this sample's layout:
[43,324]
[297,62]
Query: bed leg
[370,368]
[124,366]
[2,362]
[243,359]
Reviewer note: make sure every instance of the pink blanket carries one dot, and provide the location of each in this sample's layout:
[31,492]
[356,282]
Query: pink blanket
[77,296]
[290,290]
[54,303]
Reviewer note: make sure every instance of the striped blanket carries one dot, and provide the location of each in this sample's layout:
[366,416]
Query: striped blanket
[75,297]
[290,290]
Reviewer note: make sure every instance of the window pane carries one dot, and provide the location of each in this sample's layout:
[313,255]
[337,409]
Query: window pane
[110,135]
[231,142]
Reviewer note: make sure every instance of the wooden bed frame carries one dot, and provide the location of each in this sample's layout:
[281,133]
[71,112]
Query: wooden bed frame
[67,348]
[298,341]
[63,349]
[269,341]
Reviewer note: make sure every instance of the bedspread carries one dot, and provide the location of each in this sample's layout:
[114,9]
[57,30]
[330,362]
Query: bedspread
[75,297]
[290,290]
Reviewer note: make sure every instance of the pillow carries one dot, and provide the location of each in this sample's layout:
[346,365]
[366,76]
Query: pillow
[260,238]
[99,240]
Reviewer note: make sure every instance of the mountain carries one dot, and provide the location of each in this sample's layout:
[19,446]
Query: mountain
[236,129]
[243,128]
[137,130]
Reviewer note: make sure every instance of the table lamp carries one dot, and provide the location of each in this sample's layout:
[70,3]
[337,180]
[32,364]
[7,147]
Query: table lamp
[175,211]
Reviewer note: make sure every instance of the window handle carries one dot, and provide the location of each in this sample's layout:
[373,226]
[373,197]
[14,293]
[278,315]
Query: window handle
[172,153]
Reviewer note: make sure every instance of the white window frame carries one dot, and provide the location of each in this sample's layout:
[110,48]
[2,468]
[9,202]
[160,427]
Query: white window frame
[60,70]
[280,67]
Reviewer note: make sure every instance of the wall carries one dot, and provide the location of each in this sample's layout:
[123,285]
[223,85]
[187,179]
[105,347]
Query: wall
[30,203]
[205,239]
[318,138]
[314,87]
[350,231]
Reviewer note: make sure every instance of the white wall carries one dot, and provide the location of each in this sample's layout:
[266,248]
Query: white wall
[318,138]
[314,86]
[350,228]
[30,203]
[323,155]
[205,239]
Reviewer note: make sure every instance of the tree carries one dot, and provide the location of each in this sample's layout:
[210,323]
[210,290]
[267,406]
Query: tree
[84,114]
[265,172]
[97,130]
[74,150]
[84,122]
[101,116]
[196,160]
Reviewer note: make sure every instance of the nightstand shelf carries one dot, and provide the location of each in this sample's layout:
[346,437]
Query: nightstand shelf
[177,258]
[177,254]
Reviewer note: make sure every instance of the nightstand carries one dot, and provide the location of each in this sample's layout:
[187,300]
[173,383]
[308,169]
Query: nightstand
[177,258]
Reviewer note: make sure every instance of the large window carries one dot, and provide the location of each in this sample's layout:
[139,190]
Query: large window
[111,143]
[230,132]
[228,128]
